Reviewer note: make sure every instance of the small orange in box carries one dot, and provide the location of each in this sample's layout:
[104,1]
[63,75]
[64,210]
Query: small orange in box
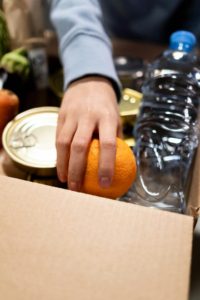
[124,173]
[9,105]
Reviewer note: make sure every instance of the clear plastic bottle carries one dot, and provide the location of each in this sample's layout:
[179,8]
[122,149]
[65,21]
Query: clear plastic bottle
[167,127]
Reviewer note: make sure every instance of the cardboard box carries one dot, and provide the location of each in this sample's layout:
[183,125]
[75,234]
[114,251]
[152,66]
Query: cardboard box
[57,244]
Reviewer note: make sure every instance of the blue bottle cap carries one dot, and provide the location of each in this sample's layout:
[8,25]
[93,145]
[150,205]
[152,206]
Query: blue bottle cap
[182,41]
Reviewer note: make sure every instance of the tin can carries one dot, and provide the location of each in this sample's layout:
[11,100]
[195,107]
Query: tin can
[129,109]
[130,103]
[29,140]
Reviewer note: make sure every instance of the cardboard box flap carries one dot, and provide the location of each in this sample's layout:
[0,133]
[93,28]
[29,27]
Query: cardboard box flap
[56,244]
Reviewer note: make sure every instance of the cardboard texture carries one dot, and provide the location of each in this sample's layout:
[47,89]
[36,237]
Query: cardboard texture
[56,244]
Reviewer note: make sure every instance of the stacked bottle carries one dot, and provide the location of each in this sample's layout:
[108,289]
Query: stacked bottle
[167,128]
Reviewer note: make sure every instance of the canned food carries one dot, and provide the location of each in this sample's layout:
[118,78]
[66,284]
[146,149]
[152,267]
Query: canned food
[29,140]
[130,103]
[129,108]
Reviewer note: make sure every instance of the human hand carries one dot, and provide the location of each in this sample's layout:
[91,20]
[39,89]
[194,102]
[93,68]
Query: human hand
[89,106]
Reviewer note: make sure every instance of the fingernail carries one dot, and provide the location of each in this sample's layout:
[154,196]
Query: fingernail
[105,182]
[74,186]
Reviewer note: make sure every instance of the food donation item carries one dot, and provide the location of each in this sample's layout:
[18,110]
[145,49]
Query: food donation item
[124,172]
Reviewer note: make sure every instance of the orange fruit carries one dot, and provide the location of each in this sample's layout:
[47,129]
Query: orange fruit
[124,173]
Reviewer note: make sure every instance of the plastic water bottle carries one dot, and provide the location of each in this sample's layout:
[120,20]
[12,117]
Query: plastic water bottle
[167,128]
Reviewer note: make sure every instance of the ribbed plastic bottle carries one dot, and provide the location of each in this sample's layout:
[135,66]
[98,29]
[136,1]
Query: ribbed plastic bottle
[167,129]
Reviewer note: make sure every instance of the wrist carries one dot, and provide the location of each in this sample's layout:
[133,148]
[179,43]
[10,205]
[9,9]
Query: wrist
[98,79]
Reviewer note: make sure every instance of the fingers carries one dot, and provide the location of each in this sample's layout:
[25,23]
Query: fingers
[77,122]
[64,138]
[107,134]
[78,154]
[72,152]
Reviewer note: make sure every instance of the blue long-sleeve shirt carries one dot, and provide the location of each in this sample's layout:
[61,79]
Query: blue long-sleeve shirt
[83,27]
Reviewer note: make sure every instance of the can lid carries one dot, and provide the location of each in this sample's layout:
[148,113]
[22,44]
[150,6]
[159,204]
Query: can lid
[29,139]
[130,102]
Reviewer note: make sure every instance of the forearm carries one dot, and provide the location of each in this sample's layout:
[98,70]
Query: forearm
[85,48]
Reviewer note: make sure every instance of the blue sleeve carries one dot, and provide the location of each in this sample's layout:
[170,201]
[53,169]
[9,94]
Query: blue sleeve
[85,49]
